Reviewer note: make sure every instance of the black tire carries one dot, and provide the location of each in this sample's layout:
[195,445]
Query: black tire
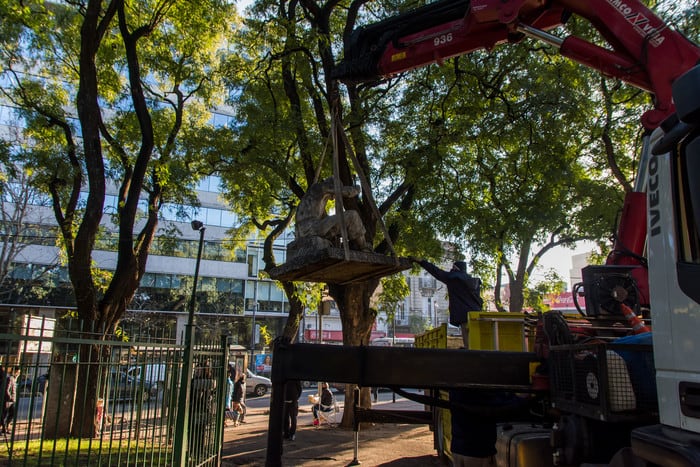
[588,381]
[260,390]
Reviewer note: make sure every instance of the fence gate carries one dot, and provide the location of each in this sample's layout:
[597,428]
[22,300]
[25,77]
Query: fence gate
[206,405]
[83,398]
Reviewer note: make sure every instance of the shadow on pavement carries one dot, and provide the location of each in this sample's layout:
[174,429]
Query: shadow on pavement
[403,462]
[379,445]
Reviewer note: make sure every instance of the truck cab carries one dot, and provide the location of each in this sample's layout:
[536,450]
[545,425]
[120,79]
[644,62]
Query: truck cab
[673,191]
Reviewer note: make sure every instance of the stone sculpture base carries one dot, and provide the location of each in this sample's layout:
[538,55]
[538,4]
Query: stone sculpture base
[315,259]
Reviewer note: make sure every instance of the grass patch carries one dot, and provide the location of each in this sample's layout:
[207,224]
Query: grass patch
[84,452]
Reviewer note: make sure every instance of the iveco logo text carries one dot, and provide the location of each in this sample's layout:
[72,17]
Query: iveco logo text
[653,189]
[639,22]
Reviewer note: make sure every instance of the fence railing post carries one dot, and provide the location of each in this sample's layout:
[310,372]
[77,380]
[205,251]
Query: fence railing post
[183,401]
[221,406]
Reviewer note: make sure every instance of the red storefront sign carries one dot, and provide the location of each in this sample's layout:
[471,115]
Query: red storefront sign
[564,301]
[310,336]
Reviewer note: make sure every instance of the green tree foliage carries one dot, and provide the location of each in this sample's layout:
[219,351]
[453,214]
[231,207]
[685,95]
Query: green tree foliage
[394,290]
[507,153]
[285,102]
[22,214]
[418,323]
[139,79]
[534,295]
[516,149]
[538,177]
[109,91]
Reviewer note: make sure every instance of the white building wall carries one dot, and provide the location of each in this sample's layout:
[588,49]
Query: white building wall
[578,262]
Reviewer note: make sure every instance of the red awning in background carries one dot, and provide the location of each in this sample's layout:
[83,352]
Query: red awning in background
[563,301]
[311,336]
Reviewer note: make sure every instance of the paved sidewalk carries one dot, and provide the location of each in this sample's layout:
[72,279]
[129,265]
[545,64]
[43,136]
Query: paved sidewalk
[380,445]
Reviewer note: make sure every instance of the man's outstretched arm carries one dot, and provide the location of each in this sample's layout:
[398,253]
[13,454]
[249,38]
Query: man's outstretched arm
[431,269]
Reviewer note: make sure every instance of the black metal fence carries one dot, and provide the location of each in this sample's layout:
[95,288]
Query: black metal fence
[81,397]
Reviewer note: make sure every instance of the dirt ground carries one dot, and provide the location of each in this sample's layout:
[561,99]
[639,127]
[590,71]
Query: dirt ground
[379,445]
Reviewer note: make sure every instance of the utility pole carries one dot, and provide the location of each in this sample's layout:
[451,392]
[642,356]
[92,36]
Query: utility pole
[182,422]
[252,333]
[428,287]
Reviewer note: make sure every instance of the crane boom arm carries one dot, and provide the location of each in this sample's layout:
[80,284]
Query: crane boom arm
[642,50]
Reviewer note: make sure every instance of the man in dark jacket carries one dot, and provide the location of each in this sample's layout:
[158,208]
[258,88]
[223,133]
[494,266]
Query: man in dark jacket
[463,291]
[3,382]
[8,413]
[292,392]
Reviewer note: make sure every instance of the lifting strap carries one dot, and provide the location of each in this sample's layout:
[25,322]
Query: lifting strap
[337,129]
[320,161]
[340,211]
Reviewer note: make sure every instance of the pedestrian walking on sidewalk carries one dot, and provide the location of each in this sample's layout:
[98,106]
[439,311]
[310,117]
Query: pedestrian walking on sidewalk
[8,413]
[236,400]
[243,407]
[3,381]
[228,409]
[292,393]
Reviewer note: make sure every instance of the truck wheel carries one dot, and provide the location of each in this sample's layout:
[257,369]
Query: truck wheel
[260,390]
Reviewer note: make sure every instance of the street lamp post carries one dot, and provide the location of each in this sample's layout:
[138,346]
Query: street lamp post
[324,308]
[252,337]
[427,289]
[182,422]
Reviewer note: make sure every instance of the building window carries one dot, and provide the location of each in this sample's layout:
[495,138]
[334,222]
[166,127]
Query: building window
[162,281]
[252,265]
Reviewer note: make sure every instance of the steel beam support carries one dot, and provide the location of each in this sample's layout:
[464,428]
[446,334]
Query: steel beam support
[387,367]
[403,367]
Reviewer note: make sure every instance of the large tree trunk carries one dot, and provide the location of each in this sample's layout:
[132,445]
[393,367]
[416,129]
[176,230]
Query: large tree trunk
[91,369]
[296,311]
[81,247]
[357,319]
[517,298]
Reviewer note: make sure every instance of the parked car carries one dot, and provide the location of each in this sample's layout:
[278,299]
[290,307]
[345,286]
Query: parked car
[155,375]
[340,388]
[123,387]
[257,385]
[337,387]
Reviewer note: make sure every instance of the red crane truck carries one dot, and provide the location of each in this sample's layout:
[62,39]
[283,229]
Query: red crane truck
[633,401]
